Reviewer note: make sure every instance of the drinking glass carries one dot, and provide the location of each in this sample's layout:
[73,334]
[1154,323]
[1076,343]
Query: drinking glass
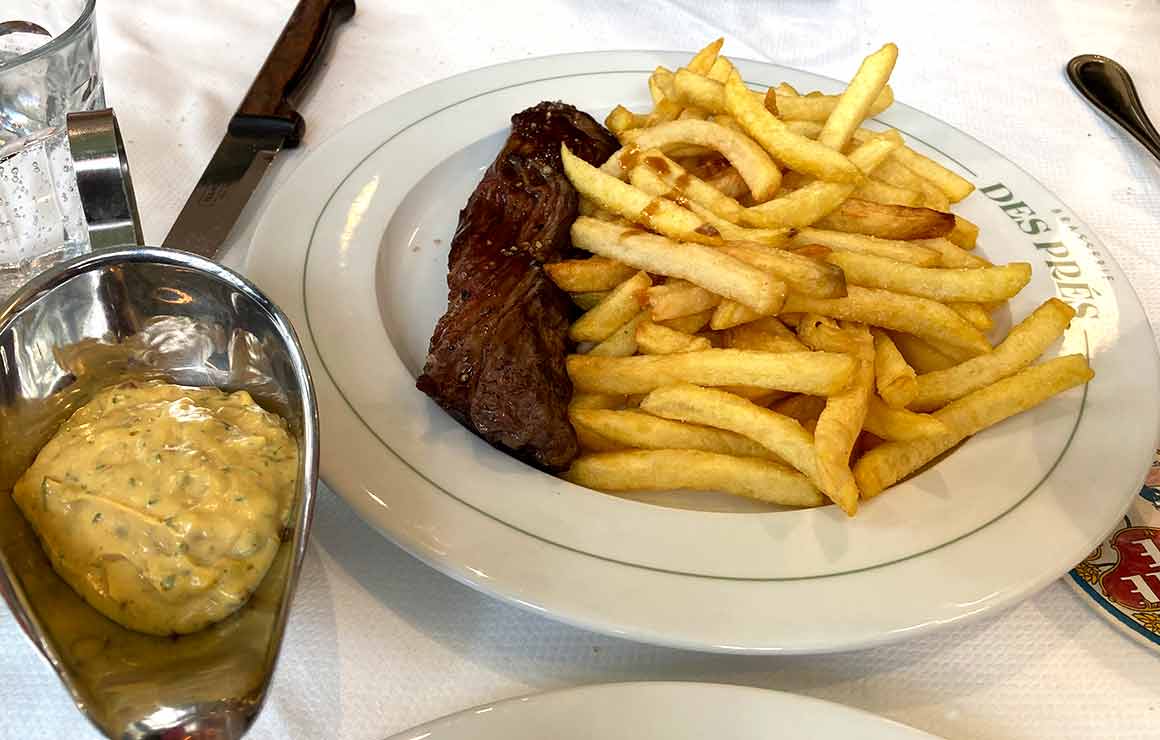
[49,66]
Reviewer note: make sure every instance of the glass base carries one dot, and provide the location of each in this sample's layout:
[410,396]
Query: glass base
[15,276]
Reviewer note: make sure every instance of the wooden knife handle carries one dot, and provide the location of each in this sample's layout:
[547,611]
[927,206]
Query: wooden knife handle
[269,106]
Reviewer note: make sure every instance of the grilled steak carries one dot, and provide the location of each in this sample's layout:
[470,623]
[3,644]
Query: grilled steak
[496,360]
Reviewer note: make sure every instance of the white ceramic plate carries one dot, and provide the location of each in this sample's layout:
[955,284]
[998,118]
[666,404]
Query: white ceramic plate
[354,248]
[662,711]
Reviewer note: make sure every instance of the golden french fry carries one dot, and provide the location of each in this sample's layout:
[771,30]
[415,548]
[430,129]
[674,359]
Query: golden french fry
[893,376]
[817,373]
[919,354]
[701,91]
[698,114]
[666,470]
[800,273]
[704,166]
[820,107]
[783,436]
[955,187]
[938,284]
[660,84]
[763,335]
[880,192]
[965,234]
[779,237]
[840,423]
[595,401]
[891,171]
[619,197]
[587,276]
[729,314]
[802,407]
[800,207]
[770,102]
[600,214]
[914,253]
[654,339]
[621,304]
[830,328]
[813,251]
[796,151]
[784,88]
[690,324]
[676,151]
[808,129]
[951,255]
[919,316]
[769,329]
[622,342]
[704,266]
[934,198]
[729,121]
[721,70]
[703,61]
[678,298]
[899,425]
[730,182]
[956,353]
[887,222]
[662,77]
[1026,342]
[717,408]
[973,313]
[806,205]
[592,442]
[760,173]
[682,185]
[824,334]
[886,464]
[856,101]
[753,394]
[636,429]
[791,181]
[664,111]
[621,119]
[862,135]
[776,328]
[588,301]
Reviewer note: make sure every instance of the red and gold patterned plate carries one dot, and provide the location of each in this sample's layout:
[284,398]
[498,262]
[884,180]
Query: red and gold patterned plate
[1122,575]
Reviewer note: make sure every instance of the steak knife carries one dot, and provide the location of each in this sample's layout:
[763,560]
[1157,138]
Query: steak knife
[264,123]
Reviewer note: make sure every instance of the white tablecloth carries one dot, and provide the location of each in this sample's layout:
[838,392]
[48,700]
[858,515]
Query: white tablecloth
[377,641]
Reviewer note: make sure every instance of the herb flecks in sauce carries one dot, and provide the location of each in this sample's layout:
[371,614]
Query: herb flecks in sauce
[172,532]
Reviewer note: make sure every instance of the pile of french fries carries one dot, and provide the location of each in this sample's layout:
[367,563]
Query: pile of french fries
[780,304]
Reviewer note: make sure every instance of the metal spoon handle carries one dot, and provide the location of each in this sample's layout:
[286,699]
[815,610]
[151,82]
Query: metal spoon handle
[1109,88]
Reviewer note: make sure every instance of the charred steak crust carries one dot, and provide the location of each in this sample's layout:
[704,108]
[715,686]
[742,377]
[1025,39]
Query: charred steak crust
[496,360]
